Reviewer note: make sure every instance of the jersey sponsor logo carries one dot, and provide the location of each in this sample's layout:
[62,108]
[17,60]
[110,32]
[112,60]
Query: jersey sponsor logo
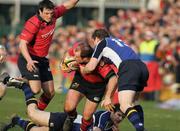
[140,124]
[96,99]
[51,124]
[35,75]
[48,34]
[75,85]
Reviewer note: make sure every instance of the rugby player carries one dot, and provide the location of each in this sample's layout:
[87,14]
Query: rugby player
[92,86]
[48,121]
[132,73]
[35,40]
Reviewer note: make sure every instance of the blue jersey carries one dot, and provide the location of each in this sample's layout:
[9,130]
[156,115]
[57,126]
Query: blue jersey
[115,50]
[101,119]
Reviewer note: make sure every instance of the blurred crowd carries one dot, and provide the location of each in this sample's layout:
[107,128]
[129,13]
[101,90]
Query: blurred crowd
[154,34]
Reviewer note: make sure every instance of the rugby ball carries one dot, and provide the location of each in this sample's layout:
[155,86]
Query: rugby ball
[71,63]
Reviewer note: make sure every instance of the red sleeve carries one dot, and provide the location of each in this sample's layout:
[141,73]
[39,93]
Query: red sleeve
[60,11]
[105,71]
[31,27]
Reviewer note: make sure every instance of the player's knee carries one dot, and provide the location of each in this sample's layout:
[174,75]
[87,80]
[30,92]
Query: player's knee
[125,106]
[68,108]
[36,90]
[50,94]
[31,113]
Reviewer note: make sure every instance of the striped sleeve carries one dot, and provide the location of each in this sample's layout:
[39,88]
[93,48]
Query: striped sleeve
[31,27]
[99,50]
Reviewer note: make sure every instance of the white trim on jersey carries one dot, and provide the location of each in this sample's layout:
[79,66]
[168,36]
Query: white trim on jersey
[100,118]
[112,55]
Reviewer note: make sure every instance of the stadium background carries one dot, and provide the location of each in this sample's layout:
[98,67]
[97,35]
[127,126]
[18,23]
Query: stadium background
[130,20]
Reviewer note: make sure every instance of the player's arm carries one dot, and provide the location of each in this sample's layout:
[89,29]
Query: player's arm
[28,35]
[108,73]
[90,66]
[96,57]
[110,89]
[24,51]
[70,4]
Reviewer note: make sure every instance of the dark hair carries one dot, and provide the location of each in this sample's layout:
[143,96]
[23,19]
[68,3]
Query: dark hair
[116,107]
[86,50]
[45,4]
[100,33]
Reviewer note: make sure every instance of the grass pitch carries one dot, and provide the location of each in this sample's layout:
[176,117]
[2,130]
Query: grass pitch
[155,119]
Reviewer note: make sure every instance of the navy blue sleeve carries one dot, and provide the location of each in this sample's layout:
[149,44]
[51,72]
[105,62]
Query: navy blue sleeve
[101,119]
[99,49]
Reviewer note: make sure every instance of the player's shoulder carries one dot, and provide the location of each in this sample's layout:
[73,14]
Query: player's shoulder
[100,112]
[34,21]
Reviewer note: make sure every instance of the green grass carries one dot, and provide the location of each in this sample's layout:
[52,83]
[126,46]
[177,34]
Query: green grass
[155,119]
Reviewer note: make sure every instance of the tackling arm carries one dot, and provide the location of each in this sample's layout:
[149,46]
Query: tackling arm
[110,89]
[90,66]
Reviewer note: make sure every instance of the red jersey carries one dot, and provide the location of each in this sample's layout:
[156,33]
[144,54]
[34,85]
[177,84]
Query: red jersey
[39,33]
[100,74]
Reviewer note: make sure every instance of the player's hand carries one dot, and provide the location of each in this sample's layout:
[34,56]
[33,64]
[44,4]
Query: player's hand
[64,68]
[107,104]
[31,66]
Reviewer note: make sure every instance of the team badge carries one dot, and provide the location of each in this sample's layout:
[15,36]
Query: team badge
[75,85]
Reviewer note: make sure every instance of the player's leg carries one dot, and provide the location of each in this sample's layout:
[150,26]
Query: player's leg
[35,86]
[24,124]
[37,116]
[138,107]
[47,84]
[73,97]
[87,120]
[94,95]
[42,128]
[126,99]
[54,121]
[6,80]
[129,83]
[16,120]
[47,95]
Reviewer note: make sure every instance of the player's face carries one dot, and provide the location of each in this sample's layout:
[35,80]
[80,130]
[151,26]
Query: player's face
[78,57]
[117,117]
[46,14]
[77,53]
